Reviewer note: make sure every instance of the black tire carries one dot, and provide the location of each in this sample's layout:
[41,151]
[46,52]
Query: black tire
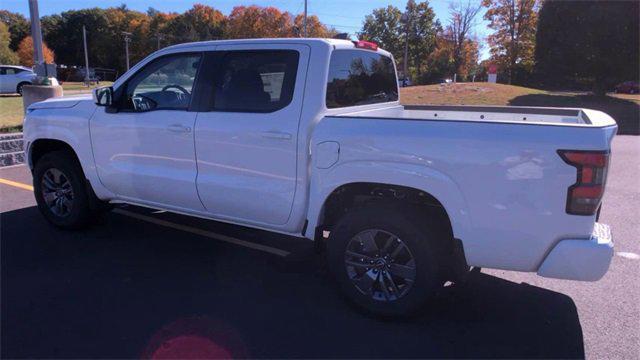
[79,213]
[19,88]
[411,226]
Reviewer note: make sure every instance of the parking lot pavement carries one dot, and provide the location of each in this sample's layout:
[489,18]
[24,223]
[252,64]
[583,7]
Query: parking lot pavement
[141,282]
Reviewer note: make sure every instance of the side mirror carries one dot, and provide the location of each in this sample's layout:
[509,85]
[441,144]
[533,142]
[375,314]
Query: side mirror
[103,96]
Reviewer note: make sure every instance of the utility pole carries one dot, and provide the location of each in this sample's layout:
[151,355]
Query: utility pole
[86,56]
[407,19]
[305,19]
[127,40]
[36,34]
[158,38]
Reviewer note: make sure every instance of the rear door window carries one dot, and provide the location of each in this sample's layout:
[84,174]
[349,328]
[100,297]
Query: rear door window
[255,80]
[359,77]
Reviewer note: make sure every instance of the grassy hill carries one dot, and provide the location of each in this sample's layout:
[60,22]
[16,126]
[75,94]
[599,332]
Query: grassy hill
[625,109]
[464,94]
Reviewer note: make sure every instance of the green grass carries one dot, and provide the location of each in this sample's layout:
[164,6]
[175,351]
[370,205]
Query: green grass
[11,113]
[77,86]
[625,109]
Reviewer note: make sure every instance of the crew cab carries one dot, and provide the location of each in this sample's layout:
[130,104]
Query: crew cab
[306,137]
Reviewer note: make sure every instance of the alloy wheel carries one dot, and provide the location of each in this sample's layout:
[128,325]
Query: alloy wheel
[57,192]
[380,265]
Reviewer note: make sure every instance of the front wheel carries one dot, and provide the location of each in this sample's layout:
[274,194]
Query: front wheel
[60,190]
[385,258]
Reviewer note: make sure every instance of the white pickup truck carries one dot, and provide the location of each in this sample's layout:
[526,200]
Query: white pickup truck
[307,137]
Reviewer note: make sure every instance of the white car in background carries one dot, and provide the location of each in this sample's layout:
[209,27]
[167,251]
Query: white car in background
[13,78]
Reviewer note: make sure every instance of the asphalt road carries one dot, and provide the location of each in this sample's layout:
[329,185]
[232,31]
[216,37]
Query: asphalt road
[141,283]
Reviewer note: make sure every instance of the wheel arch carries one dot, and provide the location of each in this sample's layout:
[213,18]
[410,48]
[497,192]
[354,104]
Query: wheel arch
[423,185]
[40,147]
[22,83]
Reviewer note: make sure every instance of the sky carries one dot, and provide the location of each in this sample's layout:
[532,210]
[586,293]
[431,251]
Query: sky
[344,15]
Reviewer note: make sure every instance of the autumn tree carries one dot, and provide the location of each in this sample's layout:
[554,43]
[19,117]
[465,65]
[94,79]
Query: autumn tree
[122,19]
[315,29]
[461,22]
[390,28]
[441,62]
[199,23]
[258,22]
[25,52]
[7,56]
[514,24]
[159,27]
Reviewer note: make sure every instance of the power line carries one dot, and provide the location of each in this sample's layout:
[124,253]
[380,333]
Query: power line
[344,26]
[339,16]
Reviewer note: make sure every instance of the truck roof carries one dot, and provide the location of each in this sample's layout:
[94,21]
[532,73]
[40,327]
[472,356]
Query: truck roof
[337,43]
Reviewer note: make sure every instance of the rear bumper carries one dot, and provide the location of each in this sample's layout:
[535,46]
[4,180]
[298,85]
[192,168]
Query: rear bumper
[580,259]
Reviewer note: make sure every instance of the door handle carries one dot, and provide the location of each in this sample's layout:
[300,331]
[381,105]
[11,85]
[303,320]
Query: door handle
[276,135]
[179,128]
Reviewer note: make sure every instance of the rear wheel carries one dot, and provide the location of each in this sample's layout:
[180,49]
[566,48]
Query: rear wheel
[385,258]
[60,190]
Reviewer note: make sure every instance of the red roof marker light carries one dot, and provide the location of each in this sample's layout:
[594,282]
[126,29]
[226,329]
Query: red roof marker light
[361,44]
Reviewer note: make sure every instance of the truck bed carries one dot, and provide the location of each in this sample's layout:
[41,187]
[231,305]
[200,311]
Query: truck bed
[500,114]
[501,164]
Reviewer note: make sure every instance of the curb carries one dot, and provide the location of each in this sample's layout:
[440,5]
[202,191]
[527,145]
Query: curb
[11,146]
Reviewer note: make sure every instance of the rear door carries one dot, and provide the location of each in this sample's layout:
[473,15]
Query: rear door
[246,138]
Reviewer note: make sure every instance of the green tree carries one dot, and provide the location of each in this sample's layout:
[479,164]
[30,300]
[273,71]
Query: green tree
[63,33]
[421,28]
[384,27]
[18,25]
[596,41]
[7,56]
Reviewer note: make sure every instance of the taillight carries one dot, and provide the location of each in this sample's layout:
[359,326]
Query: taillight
[583,197]
[361,44]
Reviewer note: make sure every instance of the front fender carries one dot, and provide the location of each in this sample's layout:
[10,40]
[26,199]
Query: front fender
[436,183]
[68,125]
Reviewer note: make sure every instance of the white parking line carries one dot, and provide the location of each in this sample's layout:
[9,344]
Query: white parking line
[204,233]
[12,166]
[628,255]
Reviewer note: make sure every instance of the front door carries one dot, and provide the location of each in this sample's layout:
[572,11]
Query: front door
[246,142]
[144,152]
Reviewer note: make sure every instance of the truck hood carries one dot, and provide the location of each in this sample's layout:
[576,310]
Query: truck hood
[60,103]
